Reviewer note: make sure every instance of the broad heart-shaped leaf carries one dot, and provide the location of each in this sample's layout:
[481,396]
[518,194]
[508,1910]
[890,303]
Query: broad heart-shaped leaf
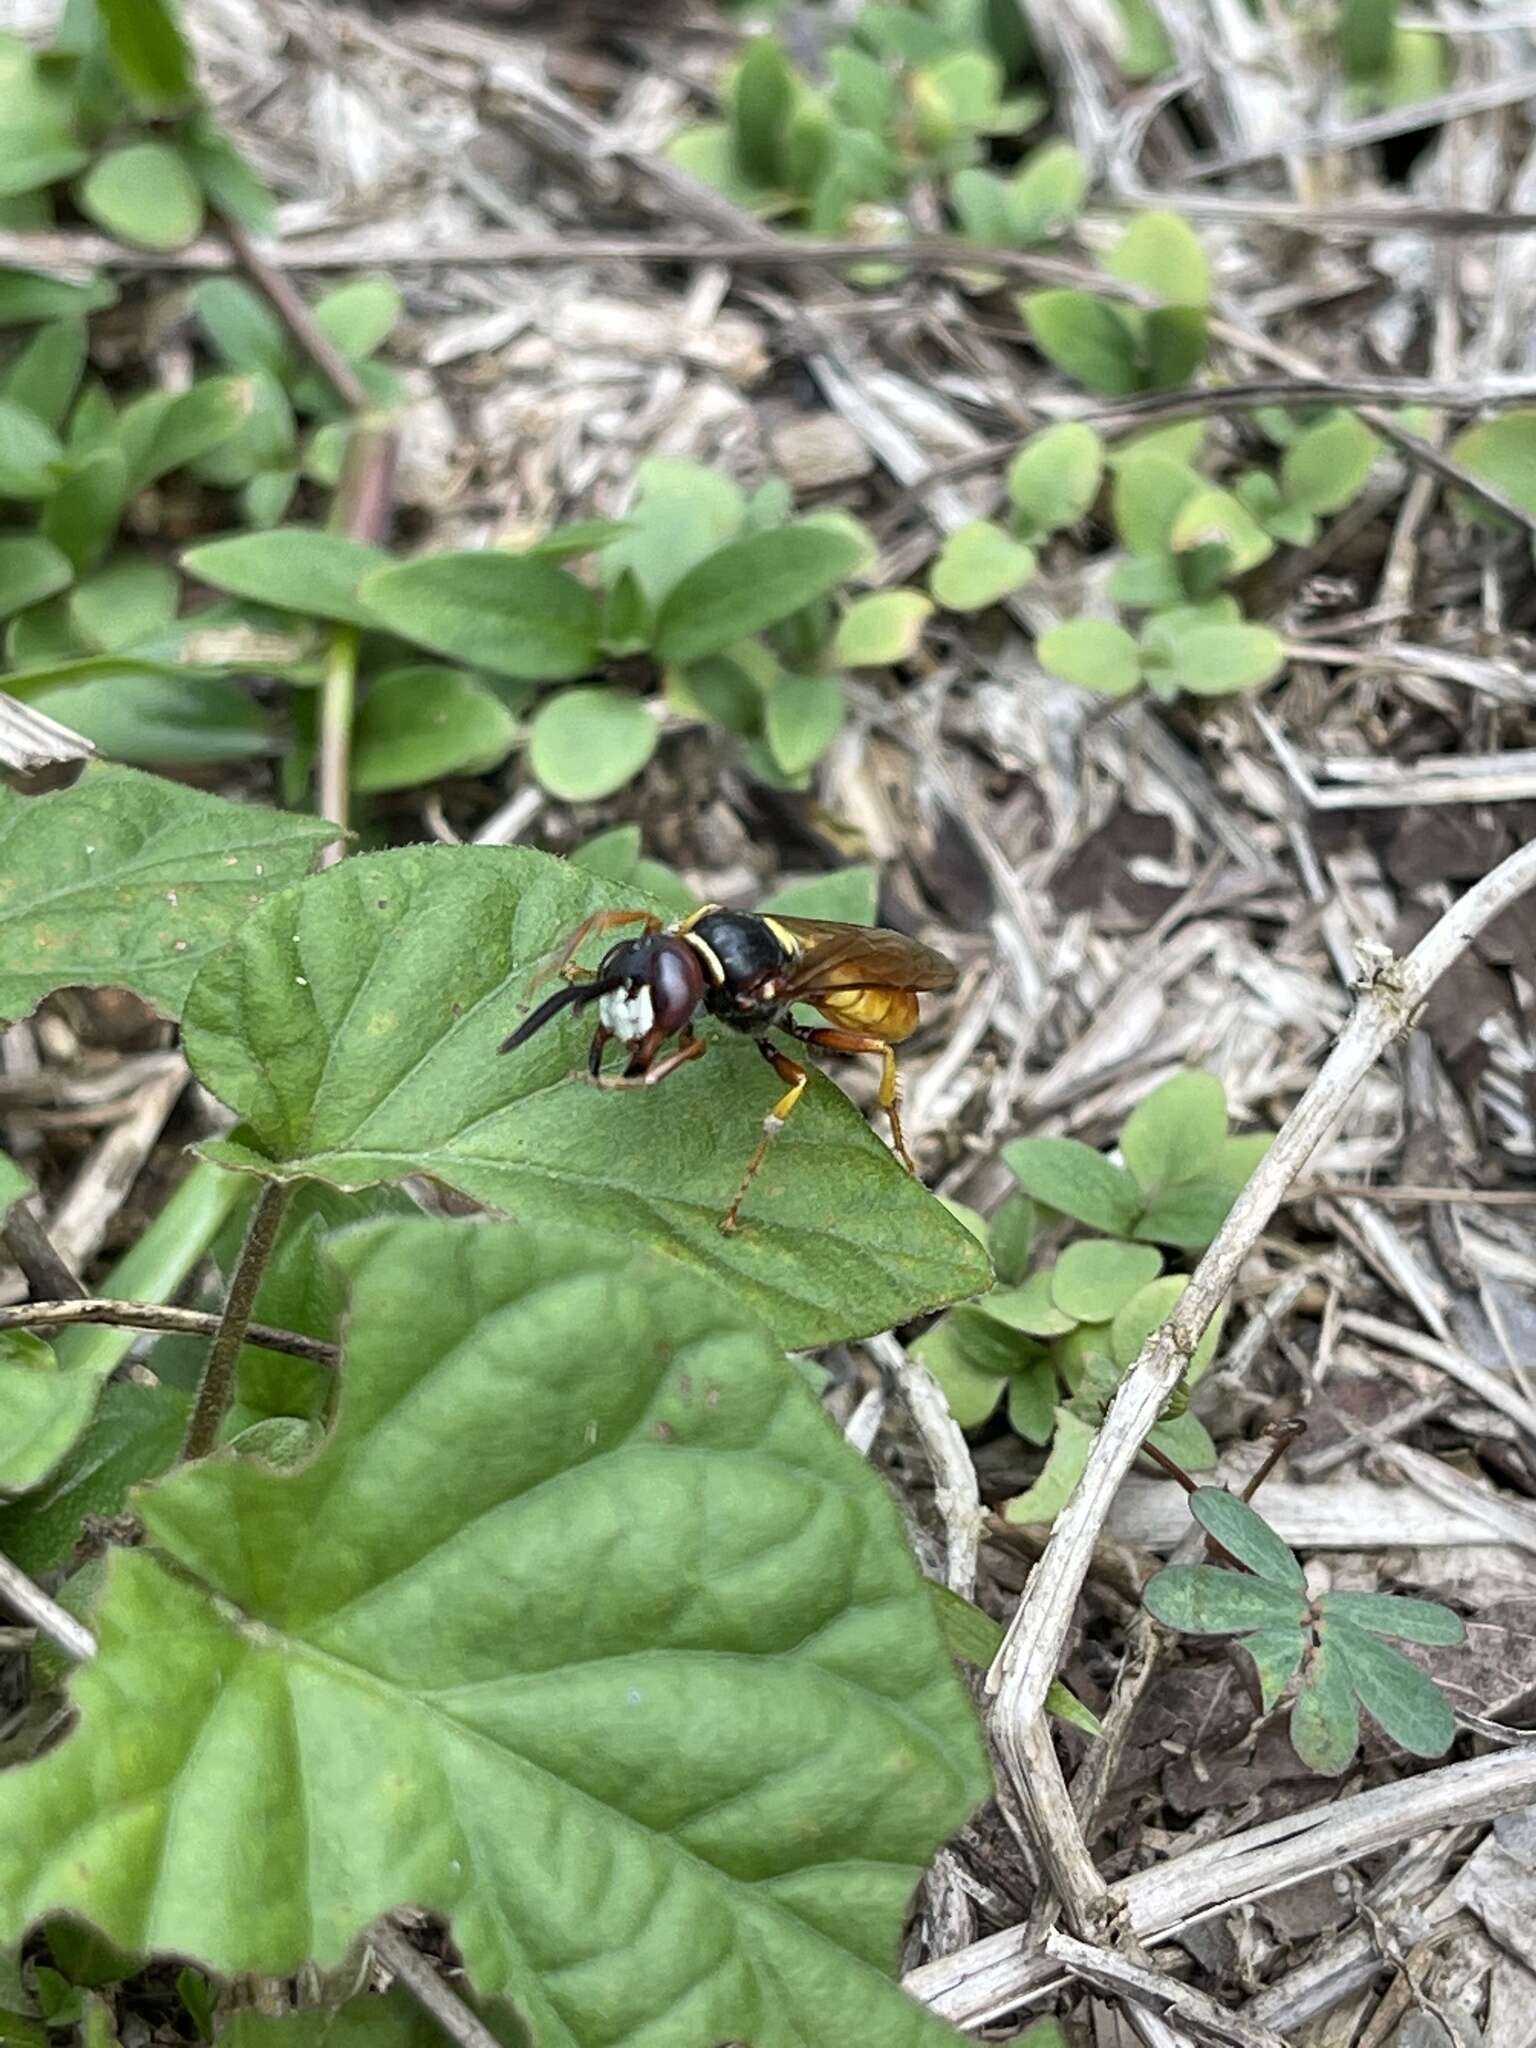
[292,568]
[125,881]
[515,616]
[1206,1602]
[1094,1278]
[355,1027]
[1174,1133]
[1393,1690]
[1067,1175]
[584,1629]
[144,194]
[1391,1614]
[1244,1532]
[750,584]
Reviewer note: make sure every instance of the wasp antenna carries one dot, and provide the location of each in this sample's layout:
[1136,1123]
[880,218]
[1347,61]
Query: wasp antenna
[569,998]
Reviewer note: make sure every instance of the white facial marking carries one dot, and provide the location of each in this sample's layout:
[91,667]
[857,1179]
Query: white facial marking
[628,1017]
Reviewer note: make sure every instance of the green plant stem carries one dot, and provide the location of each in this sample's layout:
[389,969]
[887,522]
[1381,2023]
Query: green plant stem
[338,703]
[217,1386]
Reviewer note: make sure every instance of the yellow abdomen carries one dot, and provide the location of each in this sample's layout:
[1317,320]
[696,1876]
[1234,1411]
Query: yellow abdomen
[888,1013]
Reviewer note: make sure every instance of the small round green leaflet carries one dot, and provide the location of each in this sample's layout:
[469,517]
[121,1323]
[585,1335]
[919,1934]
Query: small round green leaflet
[1248,1537]
[1030,1308]
[803,717]
[1054,478]
[355,1028]
[1175,1133]
[1094,1278]
[359,315]
[882,629]
[428,1668]
[143,194]
[1045,192]
[1164,255]
[1147,1310]
[1502,452]
[587,742]
[1070,1446]
[1095,654]
[978,565]
[1215,661]
[1327,466]
[1064,1174]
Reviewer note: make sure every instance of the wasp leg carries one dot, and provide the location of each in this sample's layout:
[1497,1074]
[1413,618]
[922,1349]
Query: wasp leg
[831,1040]
[600,1038]
[794,1076]
[599,921]
[689,1049]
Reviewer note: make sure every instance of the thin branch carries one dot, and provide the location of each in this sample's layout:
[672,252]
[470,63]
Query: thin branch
[1477,1198]
[217,1386]
[50,1277]
[1391,998]
[288,303]
[46,1616]
[435,1998]
[1135,1984]
[170,1322]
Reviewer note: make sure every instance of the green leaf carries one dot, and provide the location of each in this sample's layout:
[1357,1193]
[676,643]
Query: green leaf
[1150,489]
[1238,1156]
[1211,518]
[24,296]
[84,1958]
[586,743]
[1065,1706]
[750,584]
[1276,1654]
[1032,1396]
[13,1184]
[266,498]
[1188,1216]
[403,971]
[359,316]
[980,199]
[30,453]
[1011,1236]
[1097,1276]
[1502,452]
[416,724]
[1174,1133]
[967,1631]
[971,1392]
[1086,338]
[977,566]
[1147,1310]
[804,716]
[45,1410]
[144,194]
[846,895]
[45,375]
[292,568]
[1045,193]
[762,97]
[680,1740]
[1326,467]
[1365,37]
[135,1434]
[1063,1174]
[134,713]
[1214,661]
[228,181]
[267,440]
[242,326]
[1186,1440]
[81,518]
[1030,1307]
[191,426]
[1054,478]
[882,629]
[393,2021]
[129,600]
[1404,1700]
[1094,654]
[1391,1614]
[1203,1601]
[1325,1722]
[1163,254]
[1070,1446]
[149,52]
[1146,583]
[124,881]
[1173,341]
[580,537]
[30,570]
[504,613]
[1240,1529]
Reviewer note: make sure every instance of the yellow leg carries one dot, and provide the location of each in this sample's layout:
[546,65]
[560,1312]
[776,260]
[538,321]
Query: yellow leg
[831,1040]
[794,1074]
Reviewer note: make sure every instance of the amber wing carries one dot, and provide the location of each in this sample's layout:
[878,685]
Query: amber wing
[833,956]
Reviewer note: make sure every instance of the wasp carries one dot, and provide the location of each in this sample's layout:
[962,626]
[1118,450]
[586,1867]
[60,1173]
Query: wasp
[748,969]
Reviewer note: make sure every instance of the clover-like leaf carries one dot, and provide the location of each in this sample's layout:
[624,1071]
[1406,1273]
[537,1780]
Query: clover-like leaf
[1147,1310]
[1032,1396]
[143,193]
[882,629]
[746,1751]
[1045,193]
[124,881]
[1401,1698]
[1095,654]
[355,1027]
[1086,338]
[1163,254]
[1030,1307]
[1391,1614]
[978,565]
[1094,1278]
[1188,1215]
[1325,1721]
[1240,1529]
[1326,466]
[1054,478]
[1067,1175]
[1213,661]
[1151,487]
[585,743]
[1204,1601]
[511,615]
[971,1391]
[292,568]
[1276,1654]
[1174,1133]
